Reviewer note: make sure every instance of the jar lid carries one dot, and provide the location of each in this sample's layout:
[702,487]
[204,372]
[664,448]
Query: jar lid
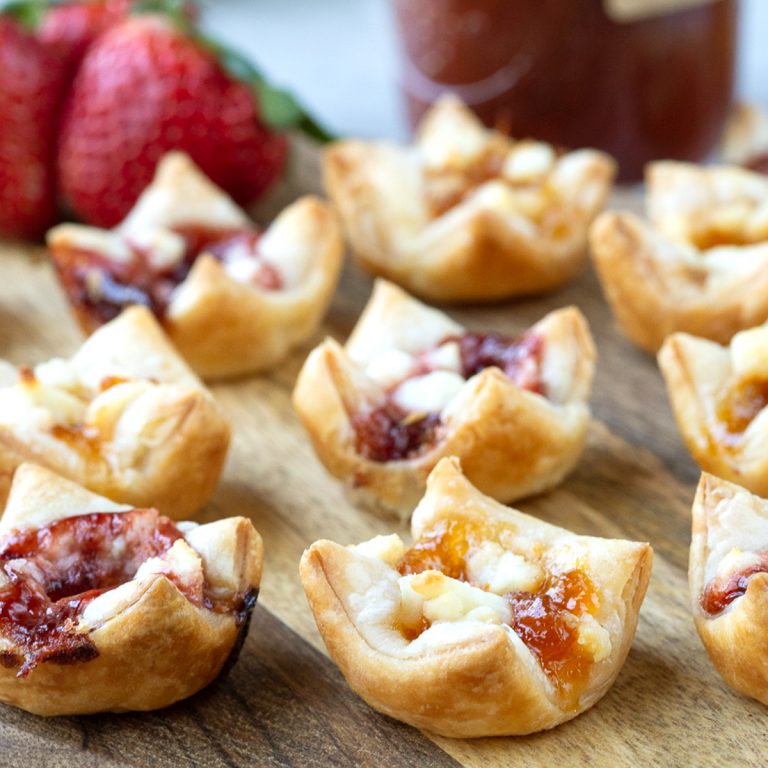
[634,10]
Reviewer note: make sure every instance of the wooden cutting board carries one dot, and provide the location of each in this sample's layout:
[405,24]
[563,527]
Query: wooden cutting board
[285,703]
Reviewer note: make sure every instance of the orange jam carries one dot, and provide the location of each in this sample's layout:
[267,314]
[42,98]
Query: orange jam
[443,548]
[741,403]
[714,237]
[541,619]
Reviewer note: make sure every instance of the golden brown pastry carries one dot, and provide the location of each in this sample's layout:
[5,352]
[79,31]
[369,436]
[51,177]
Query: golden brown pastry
[728,577]
[233,299]
[699,264]
[492,623]
[467,214]
[746,138]
[107,608]
[719,396]
[412,386]
[124,417]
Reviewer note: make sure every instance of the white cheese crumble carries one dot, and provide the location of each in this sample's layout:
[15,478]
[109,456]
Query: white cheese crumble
[736,560]
[390,548]
[429,393]
[441,598]
[529,161]
[749,352]
[502,571]
[390,367]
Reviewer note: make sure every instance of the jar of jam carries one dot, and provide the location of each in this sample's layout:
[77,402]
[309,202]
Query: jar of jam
[640,79]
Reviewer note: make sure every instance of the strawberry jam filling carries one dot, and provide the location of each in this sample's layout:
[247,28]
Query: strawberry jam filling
[100,287]
[51,574]
[389,432]
[543,620]
[720,593]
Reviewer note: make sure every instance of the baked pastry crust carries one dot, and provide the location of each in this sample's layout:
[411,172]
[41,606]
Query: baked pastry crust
[125,417]
[698,265]
[516,229]
[730,532]
[222,322]
[746,135]
[718,396]
[154,645]
[511,442]
[469,677]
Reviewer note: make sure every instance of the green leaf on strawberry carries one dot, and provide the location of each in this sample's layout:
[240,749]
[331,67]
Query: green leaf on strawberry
[279,108]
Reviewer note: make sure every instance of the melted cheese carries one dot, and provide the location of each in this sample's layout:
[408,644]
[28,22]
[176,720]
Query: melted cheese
[164,247]
[429,393]
[736,560]
[749,352]
[390,367]
[446,357]
[501,571]
[440,598]
[32,403]
[389,549]
[529,161]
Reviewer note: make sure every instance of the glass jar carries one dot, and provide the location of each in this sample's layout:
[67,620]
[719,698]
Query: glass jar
[648,86]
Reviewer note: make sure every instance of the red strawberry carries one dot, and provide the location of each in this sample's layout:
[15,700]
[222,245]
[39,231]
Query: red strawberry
[69,29]
[143,88]
[30,87]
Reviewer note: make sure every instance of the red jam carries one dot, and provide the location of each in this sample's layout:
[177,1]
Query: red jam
[389,432]
[100,288]
[740,404]
[541,619]
[520,359]
[55,571]
[719,594]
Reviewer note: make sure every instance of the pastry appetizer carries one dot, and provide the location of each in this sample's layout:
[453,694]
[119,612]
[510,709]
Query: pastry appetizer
[124,417]
[491,623]
[412,386]
[232,298]
[108,608]
[698,265]
[728,576]
[719,396]
[746,138]
[467,214]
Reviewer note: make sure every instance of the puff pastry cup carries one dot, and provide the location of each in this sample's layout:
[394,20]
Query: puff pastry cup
[108,608]
[412,386]
[232,299]
[124,417]
[719,396]
[746,138]
[467,214]
[728,576]
[699,264]
[492,623]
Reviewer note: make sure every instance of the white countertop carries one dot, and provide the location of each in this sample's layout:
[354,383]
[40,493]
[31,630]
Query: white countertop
[340,56]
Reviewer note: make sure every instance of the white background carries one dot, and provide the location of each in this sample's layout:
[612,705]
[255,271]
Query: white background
[340,56]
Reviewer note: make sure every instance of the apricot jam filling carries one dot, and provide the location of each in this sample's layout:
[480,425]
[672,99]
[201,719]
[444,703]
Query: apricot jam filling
[100,287]
[448,188]
[389,432]
[544,619]
[51,574]
[739,404]
[720,593]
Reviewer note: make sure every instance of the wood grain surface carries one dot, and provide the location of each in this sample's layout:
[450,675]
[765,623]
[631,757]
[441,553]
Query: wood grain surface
[284,703]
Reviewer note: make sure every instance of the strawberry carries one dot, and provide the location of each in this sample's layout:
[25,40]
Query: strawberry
[68,29]
[30,85]
[144,87]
